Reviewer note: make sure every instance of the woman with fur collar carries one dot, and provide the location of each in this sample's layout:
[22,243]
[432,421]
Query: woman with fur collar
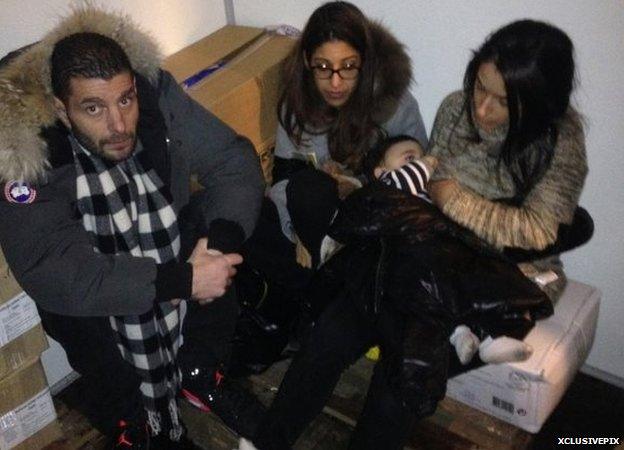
[345,86]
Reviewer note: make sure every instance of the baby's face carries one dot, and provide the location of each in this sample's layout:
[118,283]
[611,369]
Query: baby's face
[398,155]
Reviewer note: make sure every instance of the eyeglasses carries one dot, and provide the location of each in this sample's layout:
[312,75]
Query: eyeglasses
[325,73]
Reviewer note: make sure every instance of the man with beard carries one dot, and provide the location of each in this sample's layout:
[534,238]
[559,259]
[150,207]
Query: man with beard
[105,235]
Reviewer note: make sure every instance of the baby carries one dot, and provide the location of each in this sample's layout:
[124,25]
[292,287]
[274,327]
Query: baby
[400,162]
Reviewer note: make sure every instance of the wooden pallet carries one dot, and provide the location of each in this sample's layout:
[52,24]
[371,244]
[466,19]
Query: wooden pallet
[453,426]
[78,432]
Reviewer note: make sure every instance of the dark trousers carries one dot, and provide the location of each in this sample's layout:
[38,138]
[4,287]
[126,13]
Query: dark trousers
[271,253]
[111,385]
[341,336]
[312,198]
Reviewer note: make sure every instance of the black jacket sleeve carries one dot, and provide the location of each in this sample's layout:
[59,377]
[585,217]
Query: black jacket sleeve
[51,256]
[224,162]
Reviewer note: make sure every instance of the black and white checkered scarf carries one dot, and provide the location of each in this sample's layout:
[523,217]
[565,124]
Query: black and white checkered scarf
[125,210]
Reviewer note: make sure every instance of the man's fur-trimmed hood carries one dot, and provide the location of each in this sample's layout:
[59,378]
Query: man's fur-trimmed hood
[394,72]
[26,100]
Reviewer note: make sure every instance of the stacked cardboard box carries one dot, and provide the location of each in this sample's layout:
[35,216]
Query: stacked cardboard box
[27,416]
[235,73]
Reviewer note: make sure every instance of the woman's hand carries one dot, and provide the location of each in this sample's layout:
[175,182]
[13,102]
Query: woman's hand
[332,168]
[346,185]
[346,182]
[441,191]
[303,256]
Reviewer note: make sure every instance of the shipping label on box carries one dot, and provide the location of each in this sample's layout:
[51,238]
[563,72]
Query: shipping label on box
[25,406]
[22,350]
[27,419]
[507,395]
[42,438]
[22,338]
[17,316]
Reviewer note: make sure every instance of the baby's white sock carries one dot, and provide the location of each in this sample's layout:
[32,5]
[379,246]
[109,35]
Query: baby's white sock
[329,247]
[465,342]
[504,349]
[244,444]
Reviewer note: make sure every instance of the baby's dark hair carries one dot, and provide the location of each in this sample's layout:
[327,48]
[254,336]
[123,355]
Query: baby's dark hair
[376,154]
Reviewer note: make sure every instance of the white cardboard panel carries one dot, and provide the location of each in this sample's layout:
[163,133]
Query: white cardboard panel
[525,394]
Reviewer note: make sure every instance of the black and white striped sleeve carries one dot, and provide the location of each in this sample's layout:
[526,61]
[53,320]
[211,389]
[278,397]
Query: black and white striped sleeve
[412,177]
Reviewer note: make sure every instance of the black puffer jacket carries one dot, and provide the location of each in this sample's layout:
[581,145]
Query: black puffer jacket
[400,251]
[413,246]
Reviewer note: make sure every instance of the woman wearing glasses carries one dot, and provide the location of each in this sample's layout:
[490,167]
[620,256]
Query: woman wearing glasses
[345,86]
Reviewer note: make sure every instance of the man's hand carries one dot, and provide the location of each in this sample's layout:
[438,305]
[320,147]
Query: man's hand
[442,190]
[212,271]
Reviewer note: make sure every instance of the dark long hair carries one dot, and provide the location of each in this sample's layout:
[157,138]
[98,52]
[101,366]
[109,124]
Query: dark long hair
[536,62]
[350,129]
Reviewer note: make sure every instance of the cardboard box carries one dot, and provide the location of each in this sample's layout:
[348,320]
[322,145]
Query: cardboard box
[27,415]
[525,394]
[458,426]
[22,338]
[243,88]
[41,439]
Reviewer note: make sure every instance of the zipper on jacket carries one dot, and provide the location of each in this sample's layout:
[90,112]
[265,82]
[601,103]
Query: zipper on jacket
[379,274]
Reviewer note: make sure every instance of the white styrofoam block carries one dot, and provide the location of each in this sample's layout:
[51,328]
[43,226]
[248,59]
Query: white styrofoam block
[525,394]
[56,367]
[575,317]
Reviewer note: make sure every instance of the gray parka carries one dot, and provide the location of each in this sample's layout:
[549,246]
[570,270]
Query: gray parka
[44,242]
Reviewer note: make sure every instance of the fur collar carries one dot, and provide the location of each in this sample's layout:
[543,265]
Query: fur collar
[26,105]
[394,72]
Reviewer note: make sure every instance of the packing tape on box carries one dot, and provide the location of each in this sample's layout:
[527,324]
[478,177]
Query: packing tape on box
[204,73]
[197,77]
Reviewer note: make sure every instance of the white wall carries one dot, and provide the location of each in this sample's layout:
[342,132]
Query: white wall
[439,36]
[175,24]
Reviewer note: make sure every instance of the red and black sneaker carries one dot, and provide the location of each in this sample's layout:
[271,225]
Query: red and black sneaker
[132,436]
[137,437]
[210,392]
